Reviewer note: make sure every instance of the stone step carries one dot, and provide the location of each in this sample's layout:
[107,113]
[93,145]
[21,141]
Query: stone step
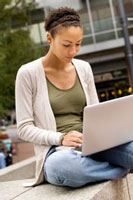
[110,190]
[22,170]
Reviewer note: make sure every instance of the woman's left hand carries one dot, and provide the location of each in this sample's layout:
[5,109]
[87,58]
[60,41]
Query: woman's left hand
[73,139]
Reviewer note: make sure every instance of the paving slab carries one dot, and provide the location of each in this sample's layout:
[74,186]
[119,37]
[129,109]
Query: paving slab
[110,190]
[114,190]
[10,190]
[19,171]
[47,191]
[129,182]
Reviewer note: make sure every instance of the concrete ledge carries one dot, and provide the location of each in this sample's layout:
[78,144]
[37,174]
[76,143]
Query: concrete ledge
[111,190]
[21,170]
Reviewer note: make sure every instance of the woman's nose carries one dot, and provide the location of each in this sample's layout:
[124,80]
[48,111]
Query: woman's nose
[72,51]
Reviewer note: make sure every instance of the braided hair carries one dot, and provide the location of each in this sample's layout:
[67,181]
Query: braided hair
[61,17]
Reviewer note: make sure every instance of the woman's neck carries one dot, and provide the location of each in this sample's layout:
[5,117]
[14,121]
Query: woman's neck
[50,60]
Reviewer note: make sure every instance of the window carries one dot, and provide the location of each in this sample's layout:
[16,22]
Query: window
[101,15]
[102,20]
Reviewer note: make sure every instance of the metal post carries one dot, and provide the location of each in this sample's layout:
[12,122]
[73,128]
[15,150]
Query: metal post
[129,54]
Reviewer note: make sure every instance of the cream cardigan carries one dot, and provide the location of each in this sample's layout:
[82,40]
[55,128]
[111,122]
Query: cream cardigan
[35,118]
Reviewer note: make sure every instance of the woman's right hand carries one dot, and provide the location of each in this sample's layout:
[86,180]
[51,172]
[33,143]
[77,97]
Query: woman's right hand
[72,139]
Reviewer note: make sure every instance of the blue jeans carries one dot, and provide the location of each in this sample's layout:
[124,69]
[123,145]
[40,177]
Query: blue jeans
[2,160]
[69,168]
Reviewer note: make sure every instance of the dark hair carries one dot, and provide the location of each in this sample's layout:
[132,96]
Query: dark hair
[61,17]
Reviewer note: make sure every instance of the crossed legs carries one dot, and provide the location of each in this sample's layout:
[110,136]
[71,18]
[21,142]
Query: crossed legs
[68,168]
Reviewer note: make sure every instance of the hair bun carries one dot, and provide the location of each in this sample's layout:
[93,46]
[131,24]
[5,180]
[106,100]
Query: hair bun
[60,16]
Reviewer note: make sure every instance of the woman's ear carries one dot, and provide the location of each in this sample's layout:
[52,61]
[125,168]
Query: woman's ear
[49,37]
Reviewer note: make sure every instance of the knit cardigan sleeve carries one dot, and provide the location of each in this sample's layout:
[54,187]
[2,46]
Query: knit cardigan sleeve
[25,116]
[91,86]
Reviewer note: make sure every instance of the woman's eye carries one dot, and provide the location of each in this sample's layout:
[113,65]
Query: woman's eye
[66,45]
[78,44]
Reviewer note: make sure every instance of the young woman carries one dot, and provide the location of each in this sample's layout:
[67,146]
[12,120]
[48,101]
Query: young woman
[51,93]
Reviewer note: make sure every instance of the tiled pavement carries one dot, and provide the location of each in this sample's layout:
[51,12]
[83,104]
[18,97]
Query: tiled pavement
[24,150]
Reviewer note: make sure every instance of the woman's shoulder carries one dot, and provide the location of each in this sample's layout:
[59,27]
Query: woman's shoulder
[82,65]
[30,67]
[80,62]
[29,73]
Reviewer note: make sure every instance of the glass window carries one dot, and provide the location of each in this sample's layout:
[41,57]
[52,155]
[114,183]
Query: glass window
[105,37]
[87,40]
[115,7]
[101,15]
[34,32]
[36,16]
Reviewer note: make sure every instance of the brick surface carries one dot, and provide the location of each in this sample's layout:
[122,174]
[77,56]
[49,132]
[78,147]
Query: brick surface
[24,150]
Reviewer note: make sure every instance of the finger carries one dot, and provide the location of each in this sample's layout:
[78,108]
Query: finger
[76,134]
[74,144]
[76,140]
[74,137]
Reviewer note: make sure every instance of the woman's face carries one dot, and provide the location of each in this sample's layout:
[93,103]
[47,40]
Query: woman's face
[66,43]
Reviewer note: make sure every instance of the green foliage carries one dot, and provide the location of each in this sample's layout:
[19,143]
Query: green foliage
[16,48]
[3,112]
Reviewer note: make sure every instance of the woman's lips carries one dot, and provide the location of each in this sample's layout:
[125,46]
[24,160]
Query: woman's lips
[69,58]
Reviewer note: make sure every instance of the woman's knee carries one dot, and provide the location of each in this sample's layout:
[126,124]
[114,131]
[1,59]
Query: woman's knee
[61,168]
[57,163]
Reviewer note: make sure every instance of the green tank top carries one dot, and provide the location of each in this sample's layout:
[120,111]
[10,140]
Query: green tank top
[67,106]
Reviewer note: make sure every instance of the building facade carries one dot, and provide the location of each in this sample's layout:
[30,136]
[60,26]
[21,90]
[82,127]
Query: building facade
[103,42]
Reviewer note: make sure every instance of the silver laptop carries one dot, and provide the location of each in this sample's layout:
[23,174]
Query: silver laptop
[107,124]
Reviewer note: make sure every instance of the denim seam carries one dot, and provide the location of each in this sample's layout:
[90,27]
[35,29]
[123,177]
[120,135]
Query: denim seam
[68,179]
